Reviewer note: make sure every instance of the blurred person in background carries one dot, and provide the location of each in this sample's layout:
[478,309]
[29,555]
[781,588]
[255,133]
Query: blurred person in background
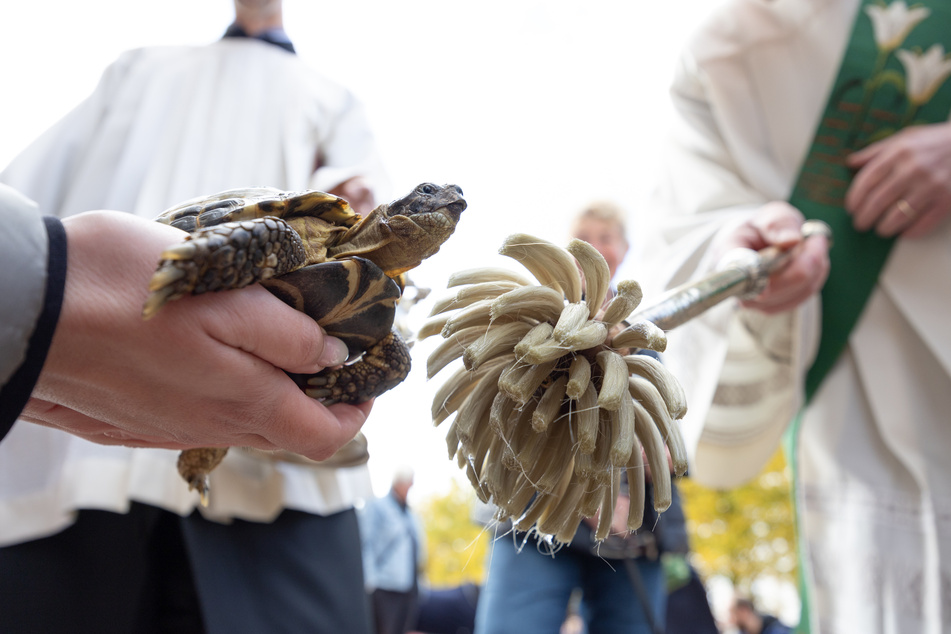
[101,538]
[747,620]
[394,551]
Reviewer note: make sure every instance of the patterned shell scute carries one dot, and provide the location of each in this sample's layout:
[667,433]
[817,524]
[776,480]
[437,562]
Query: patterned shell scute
[257,202]
[352,299]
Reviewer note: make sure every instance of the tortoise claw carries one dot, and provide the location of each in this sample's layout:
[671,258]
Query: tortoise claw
[194,465]
[319,393]
[156,300]
[222,257]
[381,368]
[203,486]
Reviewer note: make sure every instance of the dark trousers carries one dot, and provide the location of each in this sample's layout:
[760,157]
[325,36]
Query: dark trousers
[105,573]
[301,573]
[151,571]
[395,612]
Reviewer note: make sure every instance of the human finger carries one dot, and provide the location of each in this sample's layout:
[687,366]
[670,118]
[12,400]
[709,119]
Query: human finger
[871,165]
[875,187]
[255,321]
[774,224]
[903,181]
[878,209]
[250,319]
[59,417]
[859,158]
[803,276]
[900,215]
[928,220]
[304,426]
[779,224]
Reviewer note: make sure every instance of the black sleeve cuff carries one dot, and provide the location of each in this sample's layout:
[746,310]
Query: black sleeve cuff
[16,392]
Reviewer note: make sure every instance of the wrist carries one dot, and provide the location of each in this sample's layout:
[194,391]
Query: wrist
[16,391]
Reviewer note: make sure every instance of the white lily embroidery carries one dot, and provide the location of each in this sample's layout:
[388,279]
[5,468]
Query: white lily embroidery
[926,72]
[892,23]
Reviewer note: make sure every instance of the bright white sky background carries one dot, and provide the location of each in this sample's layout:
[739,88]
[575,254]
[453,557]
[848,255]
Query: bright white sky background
[533,107]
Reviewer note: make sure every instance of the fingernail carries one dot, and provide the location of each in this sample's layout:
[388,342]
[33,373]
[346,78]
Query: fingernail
[787,236]
[334,353]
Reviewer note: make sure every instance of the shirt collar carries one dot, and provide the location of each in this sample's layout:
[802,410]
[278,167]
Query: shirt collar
[277,37]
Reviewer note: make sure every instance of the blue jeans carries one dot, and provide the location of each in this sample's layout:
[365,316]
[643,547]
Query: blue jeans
[527,592]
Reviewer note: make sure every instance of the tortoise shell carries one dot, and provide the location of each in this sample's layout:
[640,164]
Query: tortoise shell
[242,236]
[312,251]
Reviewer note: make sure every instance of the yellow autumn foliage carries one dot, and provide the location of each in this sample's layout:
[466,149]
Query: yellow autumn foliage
[739,534]
[456,546]
[745,532]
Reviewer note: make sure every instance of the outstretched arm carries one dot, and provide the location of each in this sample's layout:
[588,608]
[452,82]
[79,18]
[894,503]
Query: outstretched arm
[206,371]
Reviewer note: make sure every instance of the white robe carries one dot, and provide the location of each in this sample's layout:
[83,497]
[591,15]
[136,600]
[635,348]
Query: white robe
[165,125]
[874,478]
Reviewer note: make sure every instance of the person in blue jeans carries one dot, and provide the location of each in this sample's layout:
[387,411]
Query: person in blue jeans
[622,582]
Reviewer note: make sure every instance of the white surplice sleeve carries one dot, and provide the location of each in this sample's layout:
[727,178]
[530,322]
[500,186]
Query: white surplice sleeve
[738,367]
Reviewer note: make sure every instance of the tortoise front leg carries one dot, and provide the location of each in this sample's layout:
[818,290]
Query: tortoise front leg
[194,465]
[384,366]
[381,368]
[226,256]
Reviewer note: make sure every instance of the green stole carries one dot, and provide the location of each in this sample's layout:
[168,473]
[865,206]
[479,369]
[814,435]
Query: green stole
[882,86]
[869,101]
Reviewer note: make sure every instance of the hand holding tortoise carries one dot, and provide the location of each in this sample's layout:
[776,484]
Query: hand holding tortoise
[310,249]
[203,372]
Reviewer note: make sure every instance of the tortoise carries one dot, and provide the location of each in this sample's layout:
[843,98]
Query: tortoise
[312,251]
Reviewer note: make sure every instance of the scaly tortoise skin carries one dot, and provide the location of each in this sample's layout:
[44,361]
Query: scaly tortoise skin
[312,251]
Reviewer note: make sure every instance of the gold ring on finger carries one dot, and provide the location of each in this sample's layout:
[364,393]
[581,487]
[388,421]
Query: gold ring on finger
[906,209]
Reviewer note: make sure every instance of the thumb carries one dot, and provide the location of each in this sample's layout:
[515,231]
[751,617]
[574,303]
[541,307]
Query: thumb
[253,320]
[779,224]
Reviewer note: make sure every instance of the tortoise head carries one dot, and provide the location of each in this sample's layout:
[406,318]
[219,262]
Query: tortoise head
[445,200]
[398,236]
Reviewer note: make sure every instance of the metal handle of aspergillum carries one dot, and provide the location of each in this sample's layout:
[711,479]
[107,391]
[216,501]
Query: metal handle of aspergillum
[743,273]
